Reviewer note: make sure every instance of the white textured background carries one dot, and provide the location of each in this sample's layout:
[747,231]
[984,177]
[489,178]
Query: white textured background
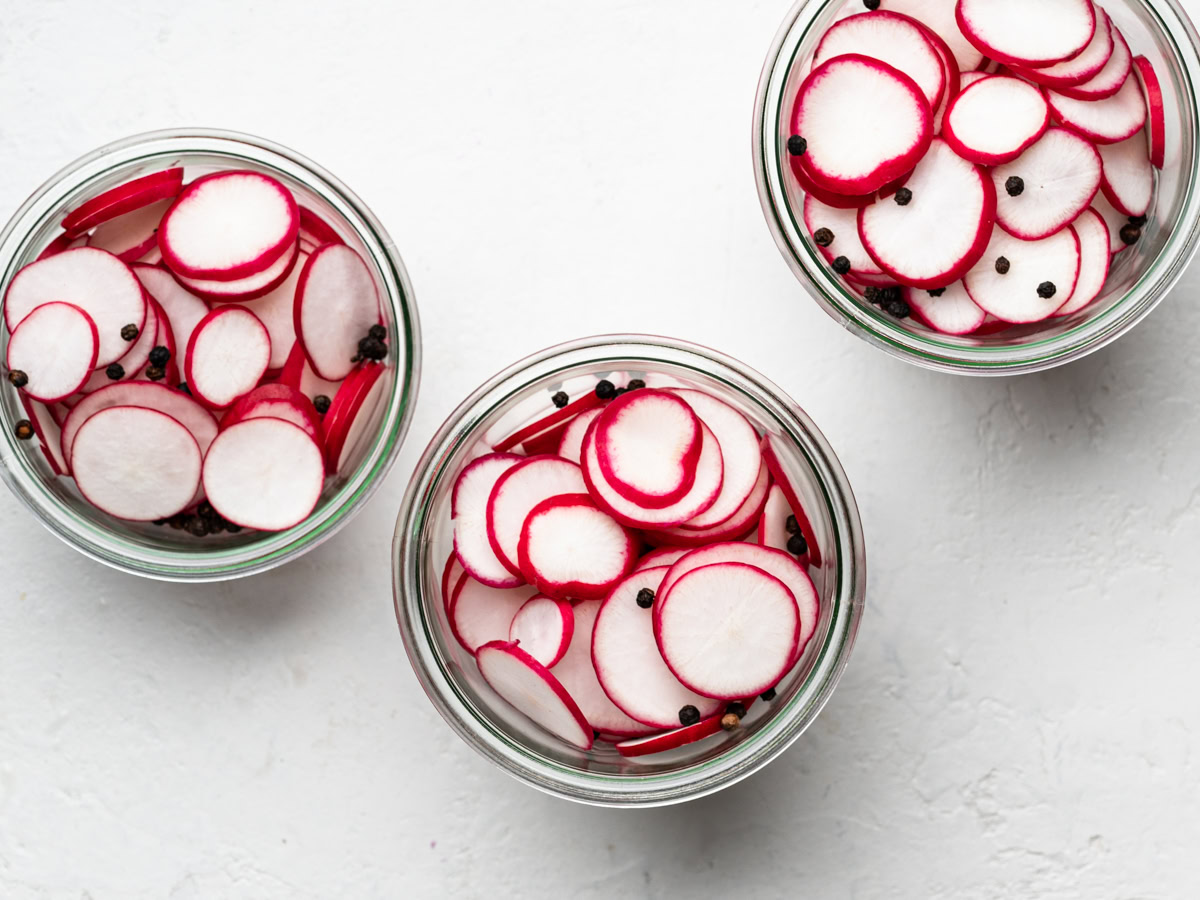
[1020,718]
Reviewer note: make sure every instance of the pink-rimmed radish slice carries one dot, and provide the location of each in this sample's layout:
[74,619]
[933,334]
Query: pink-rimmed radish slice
[966,79]
[648,443]
[938,16]
[133,235]
[896,40]
[550,422]
[479,613]
[49,432]
[886,136]
[137,360]
[61,243]
[1106,121]
[124,198]
[146,394]
[151,257]
[514,495]
[135,463]
[829,198]
[299,374]
[570,442]
[949,310]
[228,226]
[353,413]
[55,346]
[772,524]
[727,630]
[316,230]
[995,119]
[164,337]
[468,510]
[277,401]
[740,453]
[1109,79]
[1128,176]
[1028,32]
[663,557]
[780,473]
[543,628]
[1036,279]
[1059,175]
[452,571]
[183,308]
[952,73]
[1156,118]
[1115,221]
[263,473]
[941,232]
[226,356]
[671,740]
[248,288]
[843,225]
[627,660]
[336,305]
[736,526]
[97,282]
[1095,257]
[1081,68]
[570,548]
[530,688]
[275,310]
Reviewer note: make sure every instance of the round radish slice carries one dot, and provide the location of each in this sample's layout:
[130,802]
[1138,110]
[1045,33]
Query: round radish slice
[1104,121]
[533,690]
[1034,280]
[226,356]
[739,451]
[1109,79]
[1059,175]
[149,395]
[663,557]
[274,309]
[132,235]
[571,549]
[479,613]
[627,660]
[183,308]
[1156,122]
[1081,68]
[1128,177]
[570,444]
[248,288]
[727,630]
[842,224]
[124,198]
[648,443]
[547,424]
[995,120]
[782,478]
[671,740]
[316,229]
[516,492]
[263,473]
[336,305]
[468,510]
[55,346]
[949,310]
[938,16]
[1095,257]
[543,627]
[135,463]
[736,526]
[228,226]
[298,373]
[941,232]
[277,401]
[887,135]
[1028,32]
[351,415]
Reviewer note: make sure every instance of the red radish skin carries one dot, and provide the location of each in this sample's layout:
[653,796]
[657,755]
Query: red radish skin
[995,120]
[543,628]
[275,310]
[738,525]
[588,401]
[1109,79]
[570,548]
[951,312]
[952,72]
[938,17]
[298,373]
[55,346]
[133,235]
[829,198]
[183,308]
[248,288]
[1128,176]
[515,494]
[843,224]
[452,571]
[648,444]
[1081,68]
[123,199]
[468,510]
[352,414]
[1027,32]
[570,443]
[1095,257]
[529,687]
[317,229]
[480,613]
[662,557]
[780,475]
[772,524]
[1013,296]
[671,740]
[1156,120]
[48,431]
[544,444]
[1061,175]
[1106,121]
[277,401]
[336,305]
[149,395]
[226,356]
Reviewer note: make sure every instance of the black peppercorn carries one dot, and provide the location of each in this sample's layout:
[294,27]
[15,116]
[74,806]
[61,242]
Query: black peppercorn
[797,545]
[197,526]
[903,197]
[768,695]
[321,402]
[1137,221]
[1130,235]
[790,525]
[156,373]
[160,356]
[606,390]
[17,378]
[1002,265]
[936,292]
[372,348]
[871,4]
[841,265]
[130,332]
[115,371]
[645,598]
[1046,290]
[183,387]
[873,295]
[898,308]
[378,332]
[823,237]
[635,384]
[797,146]
[689,715]
[560,399]
[1015,186]
[23,429]
[737,708]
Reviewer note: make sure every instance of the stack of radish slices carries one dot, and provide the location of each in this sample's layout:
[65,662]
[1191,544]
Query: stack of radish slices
[632,566]
[197,353]
[976,164]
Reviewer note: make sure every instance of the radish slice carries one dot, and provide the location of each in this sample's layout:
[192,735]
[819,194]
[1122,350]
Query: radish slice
[1039,277]
[133,235]
[736,526]
[727,630]
[936,237]
[276,401]
[1104,121]
[183,308]
[1109,79]
[452,571]
[1028,32]
[1059,176]
[842,224]
[298,373]
[146,394]
[886,137]
[671,740]
[468,510]
[480,613]
[135,463]
[648,443]
[571,548]
[938,16]
[627,660]
[772,525]
[226,356]
[829,198]
[1095,257]
[49,432]
[969,78]
[55,346]
[549,422]
[1114,220]
[351,414]
[516,492]
[570,444]
[995,120]
[1128,177]
[97,282]
[263,473]
[739,451]
[122,199]
[543,627]
[951,311]
[783,479]
[336,305]
[247,288]
[275,310]
[533,690]
[133,363]
[1156,120]
[229,226]
[316,229]
[951,70]
[663,557]
[1081,68]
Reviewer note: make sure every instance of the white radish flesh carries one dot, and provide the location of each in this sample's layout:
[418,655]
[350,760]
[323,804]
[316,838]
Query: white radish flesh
[122,199]
[133,235]
[846,243]
[1038,277]
[1095,257]
[336,305]
[275,310]
[1028,32]
[468,509]
[952,311]
[543,628]
[516,492]
[1060,174]
[480,613]
[736,526]
[1104,121]
[648,443]
[571,549]
[1109,79]
[149,395]
[1128,177]
[183,308]
[938,16]
[529,687]
[570,445]
[994,120]
[55,346]
[740,454]
[226,356]
[1081,68]
[247,288]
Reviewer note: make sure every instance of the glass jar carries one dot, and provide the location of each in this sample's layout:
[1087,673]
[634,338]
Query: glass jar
[156,551]
[1141,275]
[423,541]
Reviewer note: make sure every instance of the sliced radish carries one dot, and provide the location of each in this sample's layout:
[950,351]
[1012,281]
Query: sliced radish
[663,557]
[275,310]
[1028,32]
[736,526]
[550,422]
[995,120]
[533,690]
[671,740]
[888,134]
[1035,279]
[570,442]
[123,199]
[468,509]
[316,229]
[949,310]
[452,572]
[352,413]
[226,356]
[835,232]
[829,198]
[772,525]
[1114,220]
[61,243]
[299,374]
[480,613]
[951,70]
[183,308]
[515,494]
[135,463]
[336,305]
[263,473]
[1059,175]
[248,288]
[1109,79]
[55,346]
[1081,68]
[740,453]
[647,444]
[1128,177]
[969,78]
[543,627]
[276,401]
[570,548]
[780,473]
[1156,119]
[133,235]
[941,232]
[146,394]
[49,432]
[938,16]
[1104,121]
[1095,257]
[133,363]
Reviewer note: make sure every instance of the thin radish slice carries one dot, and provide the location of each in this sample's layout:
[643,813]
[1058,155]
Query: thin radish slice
[452,571]
[275,310]
[995,120]
[1028,32]
[1095,257]
[829,198]
[1104,121]
[480,613]
[969,78]
[146,394]
[1128,177]
[468,510]
[941,232]
[49,432]
[543,627]
[886,137]
[835,232]
[671,740]
[55,346]
[1114,220]
[123,199]
[1156,119]
[276,401]
[739,451]
[1055,180]
[1081,68]
[135,463]
[263,473]
[316,229]
[1109,79]
[772,525]
[782,478]
[949,310]
[627,660]
[514,495]
[133,235]
[727,630]
[570,442]
[226,356]
[550,422]
[248,288]
[336,305]
[61,243]
[570,548]
[938,16]
[164,337]
[136,360]
[1035,279]
[299,374]
[648,443]
[736,526]
[533,690]
[352,413]
[951,70]
[663,557]
[183,308]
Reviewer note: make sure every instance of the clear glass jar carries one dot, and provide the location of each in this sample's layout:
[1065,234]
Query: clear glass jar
[1142,275]
[448,673]
[159,552]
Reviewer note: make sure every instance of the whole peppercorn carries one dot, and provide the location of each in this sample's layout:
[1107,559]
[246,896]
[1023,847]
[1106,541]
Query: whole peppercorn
[689,715]
[160,356]
[372,348]
[797,146]
[378,332]
[560,399]
[871,4]
[115,371]
[1002,265]
[619,391]
[797,545]
[17,378]
[635,384]
[903,197]
[156,373]
[605,389]
[130,332]
[936,292]
[873,295]
[177,522]
[197,527]
[1137,221]
[897,308]
[841,265]
[183,387]
[232,528]
[823,237]
[1015,185]
[23,430]
[737,708]
[321,402]
[1130,235]
[891,295]
[768,695]
[645,598]
[1046,290]
[205,510]
[790,525]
